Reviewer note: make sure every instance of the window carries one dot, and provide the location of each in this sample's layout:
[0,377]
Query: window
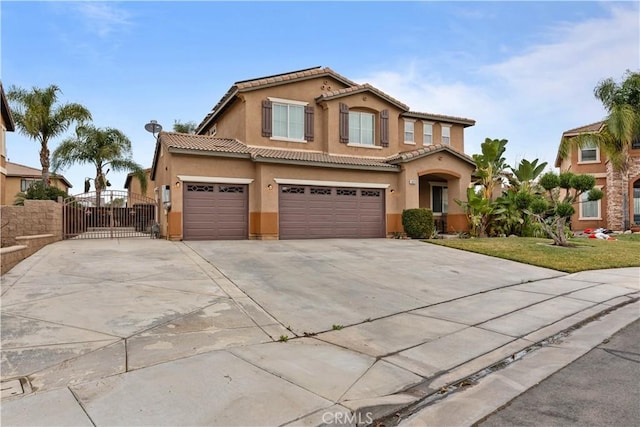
[360,128]
[635,144]
[288,121]
[25,183]
[408,132]
[427,133]
[439,198]
[589,153]
[446,134]
[589,209]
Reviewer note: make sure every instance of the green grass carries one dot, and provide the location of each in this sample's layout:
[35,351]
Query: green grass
[588,254]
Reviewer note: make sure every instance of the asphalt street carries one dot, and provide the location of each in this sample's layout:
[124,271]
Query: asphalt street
[602,388]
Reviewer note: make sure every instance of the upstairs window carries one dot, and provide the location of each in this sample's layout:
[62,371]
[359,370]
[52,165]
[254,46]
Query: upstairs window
[446,135]
[427,133]
[361,128]
[287,120]
[589,153]
[409,132]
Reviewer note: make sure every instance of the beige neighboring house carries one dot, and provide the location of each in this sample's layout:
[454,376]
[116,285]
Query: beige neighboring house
[132,185]
[607,212]
[309,154]
[6,125]
[20,177]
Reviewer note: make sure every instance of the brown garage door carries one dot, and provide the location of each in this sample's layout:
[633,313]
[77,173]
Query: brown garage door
[307,212]
[215,211]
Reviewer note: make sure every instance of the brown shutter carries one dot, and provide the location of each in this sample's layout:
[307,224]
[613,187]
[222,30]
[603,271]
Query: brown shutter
[266,118]
[308,123]
[384,128]
[344,123]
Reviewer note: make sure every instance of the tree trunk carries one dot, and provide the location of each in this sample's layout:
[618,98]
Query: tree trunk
[44,161]
[561,237]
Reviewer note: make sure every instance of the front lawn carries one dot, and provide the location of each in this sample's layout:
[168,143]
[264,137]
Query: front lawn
[588,254]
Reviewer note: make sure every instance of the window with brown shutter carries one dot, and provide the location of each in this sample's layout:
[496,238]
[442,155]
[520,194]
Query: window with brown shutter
[267,129]
[308,123]
[344,123]
[384,128]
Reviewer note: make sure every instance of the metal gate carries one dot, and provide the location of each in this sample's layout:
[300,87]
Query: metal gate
[108,214]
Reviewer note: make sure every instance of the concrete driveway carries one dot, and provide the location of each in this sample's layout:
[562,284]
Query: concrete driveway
[150,332]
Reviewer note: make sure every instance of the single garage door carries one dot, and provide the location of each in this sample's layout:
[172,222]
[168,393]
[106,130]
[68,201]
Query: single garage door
[215,211]
[308,212]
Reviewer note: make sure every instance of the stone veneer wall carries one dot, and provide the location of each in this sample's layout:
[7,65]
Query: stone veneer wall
[615,183]
[36,217]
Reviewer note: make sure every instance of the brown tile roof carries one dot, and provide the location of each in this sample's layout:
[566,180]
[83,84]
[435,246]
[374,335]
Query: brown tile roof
[406,156]
[440,118]
[590,128]
[359,89]
[290,76]
[18,170]
[184,141]
[260,153]
[202,143]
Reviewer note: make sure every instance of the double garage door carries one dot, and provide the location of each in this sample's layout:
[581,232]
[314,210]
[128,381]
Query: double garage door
[308,212]
[220,212]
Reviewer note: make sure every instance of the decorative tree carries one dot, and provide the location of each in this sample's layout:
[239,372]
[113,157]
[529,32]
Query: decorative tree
[562,192]
[187,127]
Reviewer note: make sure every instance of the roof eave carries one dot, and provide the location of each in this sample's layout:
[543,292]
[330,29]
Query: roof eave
[207,153]
[260,159]
[429,153]
[456,120]
[220,106]
[7,117]
[394,102]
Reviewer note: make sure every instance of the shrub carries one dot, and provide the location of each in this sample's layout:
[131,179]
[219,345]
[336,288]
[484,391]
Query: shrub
[418,223]
[37,191]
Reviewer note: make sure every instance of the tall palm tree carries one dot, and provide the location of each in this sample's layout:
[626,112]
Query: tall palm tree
[620,130]
[106,148]
[38,116]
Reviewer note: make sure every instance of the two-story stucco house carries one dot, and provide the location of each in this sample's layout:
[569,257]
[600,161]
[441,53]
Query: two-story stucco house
[6,125]
[309,154]
[607,212]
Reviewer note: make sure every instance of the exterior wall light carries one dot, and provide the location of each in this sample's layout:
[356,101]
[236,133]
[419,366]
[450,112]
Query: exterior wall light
[270,187]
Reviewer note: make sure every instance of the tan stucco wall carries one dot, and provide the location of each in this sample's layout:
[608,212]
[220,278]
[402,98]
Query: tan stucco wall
[571,164]
[232,123]
[12,186]
[136,188]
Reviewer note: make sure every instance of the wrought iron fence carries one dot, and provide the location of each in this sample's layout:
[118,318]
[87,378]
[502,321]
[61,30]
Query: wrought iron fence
[109,214]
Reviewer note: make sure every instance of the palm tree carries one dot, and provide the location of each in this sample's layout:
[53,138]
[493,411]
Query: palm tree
[39,117]
[106,148]
[187,127]
[620,130]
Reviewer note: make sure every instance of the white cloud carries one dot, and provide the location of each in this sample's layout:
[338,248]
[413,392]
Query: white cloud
[102,18]
[532,97]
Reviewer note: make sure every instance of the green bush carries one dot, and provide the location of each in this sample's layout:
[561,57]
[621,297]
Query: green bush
[37,191]
[418,223]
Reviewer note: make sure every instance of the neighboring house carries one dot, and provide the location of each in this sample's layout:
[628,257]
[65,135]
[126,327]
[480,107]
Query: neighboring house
[20,177]
[607,212]
[132,185]
[6,125]
[310,154]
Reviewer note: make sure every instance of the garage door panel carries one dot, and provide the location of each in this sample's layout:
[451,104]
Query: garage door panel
[308,212]
[215,212]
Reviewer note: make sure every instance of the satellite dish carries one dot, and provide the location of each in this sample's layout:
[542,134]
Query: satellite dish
[153,126]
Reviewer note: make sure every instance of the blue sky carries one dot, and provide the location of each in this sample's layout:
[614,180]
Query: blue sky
[525,71]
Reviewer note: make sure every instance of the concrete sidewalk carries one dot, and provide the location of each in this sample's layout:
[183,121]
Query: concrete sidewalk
[149,332]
